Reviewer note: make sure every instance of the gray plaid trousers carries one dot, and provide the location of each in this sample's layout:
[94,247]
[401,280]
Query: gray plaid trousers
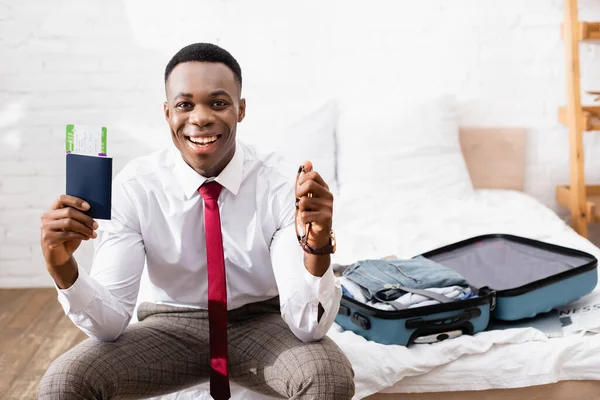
[168,350]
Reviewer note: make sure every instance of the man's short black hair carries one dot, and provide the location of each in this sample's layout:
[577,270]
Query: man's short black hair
[205,52]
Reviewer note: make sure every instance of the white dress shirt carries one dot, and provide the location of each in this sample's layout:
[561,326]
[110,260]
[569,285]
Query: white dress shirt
[157,222]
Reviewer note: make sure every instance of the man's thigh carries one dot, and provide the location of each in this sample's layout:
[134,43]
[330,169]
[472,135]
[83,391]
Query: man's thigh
[265,356]
[165,352]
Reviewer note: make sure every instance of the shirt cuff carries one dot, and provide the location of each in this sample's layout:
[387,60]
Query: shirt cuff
[321,287]
[77,297]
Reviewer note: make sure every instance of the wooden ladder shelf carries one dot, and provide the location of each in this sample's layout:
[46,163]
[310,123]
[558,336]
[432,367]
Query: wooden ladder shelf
[582,200]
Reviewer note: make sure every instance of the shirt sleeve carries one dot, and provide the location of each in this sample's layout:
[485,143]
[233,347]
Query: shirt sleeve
[101,303]
[300,292]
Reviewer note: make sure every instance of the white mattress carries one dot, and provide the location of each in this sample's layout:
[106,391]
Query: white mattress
[495,359]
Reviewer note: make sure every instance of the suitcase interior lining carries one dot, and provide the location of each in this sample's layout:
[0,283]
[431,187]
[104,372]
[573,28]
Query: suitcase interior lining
[504,264]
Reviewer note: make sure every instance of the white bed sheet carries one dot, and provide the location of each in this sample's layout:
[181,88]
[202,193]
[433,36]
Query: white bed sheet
[373,228]
[495,359]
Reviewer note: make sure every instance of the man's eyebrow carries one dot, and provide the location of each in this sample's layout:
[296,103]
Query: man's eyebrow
[219,93]
[188,95]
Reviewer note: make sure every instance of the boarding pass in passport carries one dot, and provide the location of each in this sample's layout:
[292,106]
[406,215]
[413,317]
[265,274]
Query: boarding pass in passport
[86,140]
[89,169]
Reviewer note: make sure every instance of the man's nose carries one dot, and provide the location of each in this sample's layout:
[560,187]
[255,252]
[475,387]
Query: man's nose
[202,116]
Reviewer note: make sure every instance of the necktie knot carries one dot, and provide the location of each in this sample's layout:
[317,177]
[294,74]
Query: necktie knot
[210,190]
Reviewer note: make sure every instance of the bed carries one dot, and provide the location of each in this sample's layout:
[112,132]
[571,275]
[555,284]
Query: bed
[440,208]
[489,360]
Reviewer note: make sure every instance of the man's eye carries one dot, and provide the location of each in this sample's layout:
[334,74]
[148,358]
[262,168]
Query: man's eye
[184,105]
[219,104]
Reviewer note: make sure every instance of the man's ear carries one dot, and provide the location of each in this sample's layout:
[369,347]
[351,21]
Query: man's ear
[166,108]
[242,110]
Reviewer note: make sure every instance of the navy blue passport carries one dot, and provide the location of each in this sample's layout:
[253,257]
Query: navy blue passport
[90,179]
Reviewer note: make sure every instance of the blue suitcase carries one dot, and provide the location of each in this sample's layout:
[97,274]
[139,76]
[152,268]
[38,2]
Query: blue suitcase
[513,278]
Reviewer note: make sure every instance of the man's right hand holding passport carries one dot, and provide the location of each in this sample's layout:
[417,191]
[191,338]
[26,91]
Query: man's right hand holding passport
[63,228]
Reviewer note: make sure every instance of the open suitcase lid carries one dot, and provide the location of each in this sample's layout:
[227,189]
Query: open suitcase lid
[511,265]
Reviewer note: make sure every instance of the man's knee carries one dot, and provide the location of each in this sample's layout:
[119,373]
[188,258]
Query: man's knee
[72,376]
[326,372]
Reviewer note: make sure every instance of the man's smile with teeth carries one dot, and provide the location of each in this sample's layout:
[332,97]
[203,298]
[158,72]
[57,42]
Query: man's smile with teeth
[203,140]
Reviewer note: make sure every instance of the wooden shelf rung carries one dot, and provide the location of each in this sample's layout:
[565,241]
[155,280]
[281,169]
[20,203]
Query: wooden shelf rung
[563,197]
[593,189]
[589,30]
[590,115]
[585,31]
[594,123]
[593,205]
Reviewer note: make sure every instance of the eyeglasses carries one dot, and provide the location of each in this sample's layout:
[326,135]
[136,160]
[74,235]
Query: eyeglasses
[302,230]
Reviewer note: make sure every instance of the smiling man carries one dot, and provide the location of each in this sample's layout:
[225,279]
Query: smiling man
[233,296]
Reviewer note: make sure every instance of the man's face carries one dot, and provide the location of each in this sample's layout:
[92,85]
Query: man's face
[202,109]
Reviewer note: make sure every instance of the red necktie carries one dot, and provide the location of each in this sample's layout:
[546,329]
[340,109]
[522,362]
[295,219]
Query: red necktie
[217,292]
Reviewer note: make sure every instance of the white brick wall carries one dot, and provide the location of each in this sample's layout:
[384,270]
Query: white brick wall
[73,61]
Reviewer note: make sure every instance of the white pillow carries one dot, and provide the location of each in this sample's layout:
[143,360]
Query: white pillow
[310,137]
[401,150]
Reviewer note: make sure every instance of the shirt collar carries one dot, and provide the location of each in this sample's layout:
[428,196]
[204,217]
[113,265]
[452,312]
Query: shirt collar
[230,178]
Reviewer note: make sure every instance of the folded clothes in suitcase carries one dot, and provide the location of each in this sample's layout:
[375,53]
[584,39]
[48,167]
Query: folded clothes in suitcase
[512,278]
